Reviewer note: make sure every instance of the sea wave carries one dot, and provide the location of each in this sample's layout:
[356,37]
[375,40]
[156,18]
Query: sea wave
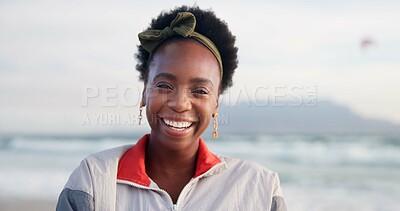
[310,166]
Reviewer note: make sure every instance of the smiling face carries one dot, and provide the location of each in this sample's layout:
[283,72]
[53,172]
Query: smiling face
[181,93]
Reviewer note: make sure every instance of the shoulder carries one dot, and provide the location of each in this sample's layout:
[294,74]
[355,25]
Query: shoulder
[252,174]
[110,154]
[95,166]
[96,173]
[255,178]
[247,166]
[104,160]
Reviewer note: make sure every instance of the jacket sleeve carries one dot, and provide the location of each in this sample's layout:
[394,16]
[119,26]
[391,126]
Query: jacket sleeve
[278,203]
[93,185]
[75,200]
[77,194]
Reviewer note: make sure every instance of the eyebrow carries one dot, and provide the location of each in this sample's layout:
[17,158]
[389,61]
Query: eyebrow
[193,80]
[201,80]
[165,75]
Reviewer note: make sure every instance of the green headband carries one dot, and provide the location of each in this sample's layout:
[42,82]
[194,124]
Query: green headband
[184,25]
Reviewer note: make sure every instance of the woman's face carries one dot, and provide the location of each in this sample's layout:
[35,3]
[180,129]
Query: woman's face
[181,92]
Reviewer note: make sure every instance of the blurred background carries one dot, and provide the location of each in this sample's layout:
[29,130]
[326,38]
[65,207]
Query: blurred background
[315,97]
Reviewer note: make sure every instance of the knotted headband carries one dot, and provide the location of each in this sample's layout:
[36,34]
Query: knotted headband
[183,25]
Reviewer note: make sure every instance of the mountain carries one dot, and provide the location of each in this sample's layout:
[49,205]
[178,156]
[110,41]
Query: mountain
[324,117]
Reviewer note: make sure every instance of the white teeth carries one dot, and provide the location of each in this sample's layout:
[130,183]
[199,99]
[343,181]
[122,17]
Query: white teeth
[180,125]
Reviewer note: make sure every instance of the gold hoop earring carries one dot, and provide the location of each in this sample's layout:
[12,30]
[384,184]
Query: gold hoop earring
[215,131]
[140,112]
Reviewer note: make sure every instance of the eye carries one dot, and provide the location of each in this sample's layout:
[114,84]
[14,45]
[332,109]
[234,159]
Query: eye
[163,86]
[201,91]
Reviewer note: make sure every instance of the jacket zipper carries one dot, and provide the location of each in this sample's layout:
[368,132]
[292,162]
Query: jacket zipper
[184,191]
[172,205]
[190,184]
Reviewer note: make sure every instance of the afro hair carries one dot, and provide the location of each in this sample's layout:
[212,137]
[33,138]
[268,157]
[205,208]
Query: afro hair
[208,25]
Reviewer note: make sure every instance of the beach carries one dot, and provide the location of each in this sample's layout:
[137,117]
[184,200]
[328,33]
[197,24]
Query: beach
[15,204]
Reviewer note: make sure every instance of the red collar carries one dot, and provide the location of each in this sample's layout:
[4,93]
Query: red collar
[131,166]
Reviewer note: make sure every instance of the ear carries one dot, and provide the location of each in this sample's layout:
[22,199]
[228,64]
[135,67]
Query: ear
[143,100]
[217,105]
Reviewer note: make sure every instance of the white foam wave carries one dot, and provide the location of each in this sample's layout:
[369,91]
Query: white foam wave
[309,166]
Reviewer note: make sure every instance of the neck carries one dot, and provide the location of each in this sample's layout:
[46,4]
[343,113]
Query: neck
[160,160]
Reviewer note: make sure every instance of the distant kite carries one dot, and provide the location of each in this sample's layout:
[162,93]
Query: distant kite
[366,43]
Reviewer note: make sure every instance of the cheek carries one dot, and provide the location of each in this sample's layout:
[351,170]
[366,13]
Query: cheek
[205,112]
[153,106]
[150,113]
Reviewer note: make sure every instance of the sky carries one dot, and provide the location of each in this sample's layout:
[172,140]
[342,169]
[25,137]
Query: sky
[65,65]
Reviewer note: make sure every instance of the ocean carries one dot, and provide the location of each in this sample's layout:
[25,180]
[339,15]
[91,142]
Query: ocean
[317,172]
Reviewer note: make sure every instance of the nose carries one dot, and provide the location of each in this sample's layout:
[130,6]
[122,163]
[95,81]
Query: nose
[180,101]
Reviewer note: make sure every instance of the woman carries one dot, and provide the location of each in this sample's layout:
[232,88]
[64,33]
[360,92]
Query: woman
[186,59]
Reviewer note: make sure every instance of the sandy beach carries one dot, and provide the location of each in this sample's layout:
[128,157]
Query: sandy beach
[12,204]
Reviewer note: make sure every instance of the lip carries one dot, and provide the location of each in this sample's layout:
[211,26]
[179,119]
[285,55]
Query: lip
[177,118]
[171,131]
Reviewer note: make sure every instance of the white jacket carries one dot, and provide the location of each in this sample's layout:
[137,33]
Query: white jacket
[116,180]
